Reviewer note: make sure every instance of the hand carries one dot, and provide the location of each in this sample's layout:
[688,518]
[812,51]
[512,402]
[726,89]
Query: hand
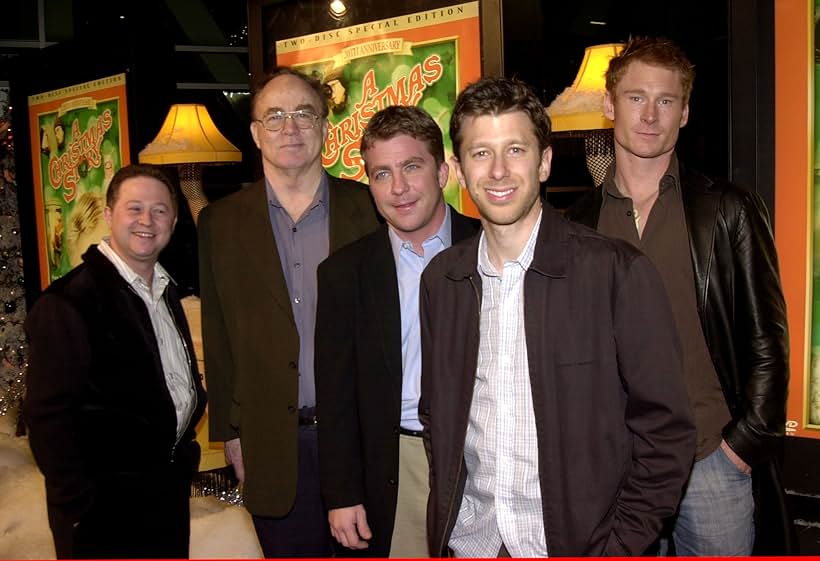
[349,526]
[233,455]
[737,460]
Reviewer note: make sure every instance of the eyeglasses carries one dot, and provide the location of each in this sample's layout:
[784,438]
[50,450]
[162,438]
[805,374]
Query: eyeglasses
[302,118]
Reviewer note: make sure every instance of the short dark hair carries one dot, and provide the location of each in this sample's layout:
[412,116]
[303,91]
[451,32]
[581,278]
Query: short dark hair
[655,51]
[396,120]
[139,170]
[321,90]
[494,96]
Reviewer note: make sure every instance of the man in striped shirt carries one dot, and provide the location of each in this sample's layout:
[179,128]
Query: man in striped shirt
[554,411]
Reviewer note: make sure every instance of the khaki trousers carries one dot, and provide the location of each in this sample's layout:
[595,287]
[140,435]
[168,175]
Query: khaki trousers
[410,528]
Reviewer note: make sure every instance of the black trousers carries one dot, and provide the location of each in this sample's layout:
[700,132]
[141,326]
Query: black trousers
[304,531]
[134,515]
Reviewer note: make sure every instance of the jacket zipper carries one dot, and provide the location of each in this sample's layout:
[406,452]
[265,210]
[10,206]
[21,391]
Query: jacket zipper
[464,440]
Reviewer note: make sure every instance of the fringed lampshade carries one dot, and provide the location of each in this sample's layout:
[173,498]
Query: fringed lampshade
[189,138]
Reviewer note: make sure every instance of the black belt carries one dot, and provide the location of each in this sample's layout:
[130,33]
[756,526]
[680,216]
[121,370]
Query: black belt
[408,432]
[307,416]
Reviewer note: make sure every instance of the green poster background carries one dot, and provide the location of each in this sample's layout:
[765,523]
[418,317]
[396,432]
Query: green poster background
[399,72]
[74,196]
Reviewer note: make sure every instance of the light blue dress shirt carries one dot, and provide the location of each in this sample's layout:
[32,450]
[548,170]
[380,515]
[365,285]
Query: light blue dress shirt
[409,266]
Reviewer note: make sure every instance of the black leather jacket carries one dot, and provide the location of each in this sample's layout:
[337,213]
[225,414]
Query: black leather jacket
[742,312]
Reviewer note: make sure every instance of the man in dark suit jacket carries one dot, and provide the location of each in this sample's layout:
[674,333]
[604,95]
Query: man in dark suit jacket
[113,389]
[368,365]
[259,249]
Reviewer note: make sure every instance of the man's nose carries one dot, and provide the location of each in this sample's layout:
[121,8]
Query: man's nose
[398,185]
[498,169]
[649,113]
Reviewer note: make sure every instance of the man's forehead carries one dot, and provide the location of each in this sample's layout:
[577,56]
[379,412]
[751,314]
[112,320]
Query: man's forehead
[644,69]
[289,88]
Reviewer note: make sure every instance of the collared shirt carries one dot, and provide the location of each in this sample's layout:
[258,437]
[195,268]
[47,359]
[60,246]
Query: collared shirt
[409,266]
[172,353]
[665,241]
[502,495]
[302,245]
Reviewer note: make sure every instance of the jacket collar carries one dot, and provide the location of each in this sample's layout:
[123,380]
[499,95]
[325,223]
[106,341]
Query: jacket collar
[550,257]
[701,204]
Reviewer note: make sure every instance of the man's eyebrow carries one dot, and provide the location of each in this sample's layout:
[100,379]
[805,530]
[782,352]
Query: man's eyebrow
[411,160]
[301,107]
[642,91]
[401,164]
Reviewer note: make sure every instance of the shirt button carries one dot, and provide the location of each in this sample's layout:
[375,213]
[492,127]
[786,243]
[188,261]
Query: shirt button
[297,300]
[391,481]
[297,265]
[292,365]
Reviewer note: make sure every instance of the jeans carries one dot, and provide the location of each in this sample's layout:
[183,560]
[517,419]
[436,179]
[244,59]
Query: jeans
[716,516]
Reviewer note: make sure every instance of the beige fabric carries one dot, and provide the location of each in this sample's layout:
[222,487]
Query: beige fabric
[410,528]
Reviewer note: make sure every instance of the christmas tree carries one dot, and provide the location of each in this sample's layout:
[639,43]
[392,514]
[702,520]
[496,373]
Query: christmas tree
[12,301]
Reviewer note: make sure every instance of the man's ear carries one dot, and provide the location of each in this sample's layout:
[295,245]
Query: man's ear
[609,105]
[255,132]
[546,164]
[443,174]
[459,174]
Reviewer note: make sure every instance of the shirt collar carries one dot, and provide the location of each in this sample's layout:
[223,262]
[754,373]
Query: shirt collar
[160,280]
[444,235]
[669,180]
[320,198]
[486,267]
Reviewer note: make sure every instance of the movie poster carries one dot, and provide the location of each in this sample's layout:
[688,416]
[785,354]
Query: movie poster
[813,389]
[79,141]
[421,59]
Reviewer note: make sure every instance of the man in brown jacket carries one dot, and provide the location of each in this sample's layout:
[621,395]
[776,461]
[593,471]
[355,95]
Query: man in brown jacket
[259,250]
[554,410]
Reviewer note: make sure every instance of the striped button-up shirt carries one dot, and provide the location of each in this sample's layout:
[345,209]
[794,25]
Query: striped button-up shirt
[172,351]
[502,495]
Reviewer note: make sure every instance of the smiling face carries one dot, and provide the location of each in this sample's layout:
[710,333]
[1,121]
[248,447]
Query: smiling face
[648,110]
[141,220]
[502,168]
[406,185]
[290,148]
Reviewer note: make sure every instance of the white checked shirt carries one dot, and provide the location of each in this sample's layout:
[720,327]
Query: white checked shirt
[172,351]
[502,495]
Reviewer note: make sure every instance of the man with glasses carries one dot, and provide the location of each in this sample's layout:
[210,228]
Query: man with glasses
[259,249]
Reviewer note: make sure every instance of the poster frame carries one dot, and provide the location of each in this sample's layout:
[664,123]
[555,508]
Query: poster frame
[262,12]
[794,200]
[52,104]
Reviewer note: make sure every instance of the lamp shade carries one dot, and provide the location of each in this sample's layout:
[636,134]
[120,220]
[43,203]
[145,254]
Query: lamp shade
[189,136]
[580,106]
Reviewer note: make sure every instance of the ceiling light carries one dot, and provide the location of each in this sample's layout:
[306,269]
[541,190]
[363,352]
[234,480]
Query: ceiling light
[337,9]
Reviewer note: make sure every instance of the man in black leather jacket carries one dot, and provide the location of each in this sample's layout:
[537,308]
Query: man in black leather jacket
[726,298]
